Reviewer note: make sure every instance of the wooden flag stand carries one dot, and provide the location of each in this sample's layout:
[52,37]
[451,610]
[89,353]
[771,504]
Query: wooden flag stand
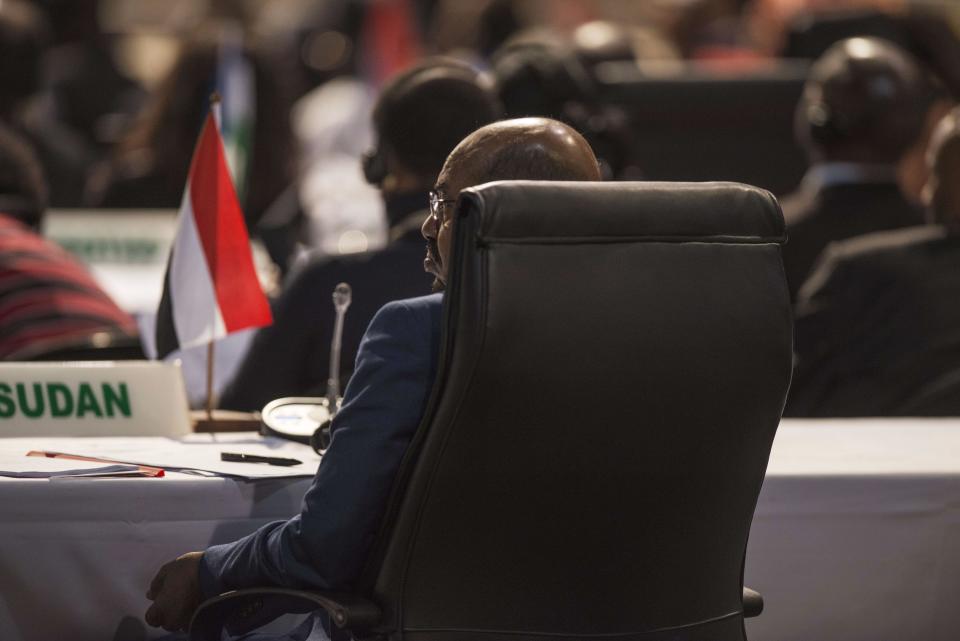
[211,420]
[225,421]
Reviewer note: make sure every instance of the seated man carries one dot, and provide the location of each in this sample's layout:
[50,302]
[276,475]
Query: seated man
[419,118]
[48,300]
[877,322]
[326,544]
[863,106]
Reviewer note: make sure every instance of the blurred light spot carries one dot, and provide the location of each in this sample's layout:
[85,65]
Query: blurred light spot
[596,34]
[352,242]
[861,48]
[147,57]
[327,50]
[101,339]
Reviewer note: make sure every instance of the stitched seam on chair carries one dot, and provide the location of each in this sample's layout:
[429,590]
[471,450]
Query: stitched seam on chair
[443,446]
[599,240]
[602,635]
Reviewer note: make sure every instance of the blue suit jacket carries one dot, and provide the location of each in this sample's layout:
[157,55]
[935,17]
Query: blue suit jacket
[326,545]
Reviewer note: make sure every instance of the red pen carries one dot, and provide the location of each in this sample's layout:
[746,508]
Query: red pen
[146,470]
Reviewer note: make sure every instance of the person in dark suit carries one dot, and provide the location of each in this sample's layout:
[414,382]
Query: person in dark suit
[419,118]
[877,323]
[863,106]
[326,544]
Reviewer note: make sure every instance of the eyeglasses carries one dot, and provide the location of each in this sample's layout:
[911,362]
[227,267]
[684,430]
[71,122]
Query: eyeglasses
[436,205]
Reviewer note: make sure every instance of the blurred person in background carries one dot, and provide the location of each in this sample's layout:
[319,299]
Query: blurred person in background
[877,321]
[600,41]
[419,117]
[48,300]
[475,30]
[920,30]
[62,152]
[315,43]
[23,38]
[350,50]
[150,164]
[497,23]
[538,73]
[913,171]
[863,106]
[84,90]
[717,31]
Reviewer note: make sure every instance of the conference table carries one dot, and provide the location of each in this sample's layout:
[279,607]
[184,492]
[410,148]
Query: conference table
[856,537]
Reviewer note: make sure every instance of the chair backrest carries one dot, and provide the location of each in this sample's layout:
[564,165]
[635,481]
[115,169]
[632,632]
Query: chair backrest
[615,361]
[693,124]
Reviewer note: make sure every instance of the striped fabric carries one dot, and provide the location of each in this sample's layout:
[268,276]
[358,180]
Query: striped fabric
[211,287]
[48,300]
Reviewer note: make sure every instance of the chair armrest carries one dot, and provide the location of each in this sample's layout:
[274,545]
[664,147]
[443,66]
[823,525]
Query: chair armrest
[752,603]
[240,611]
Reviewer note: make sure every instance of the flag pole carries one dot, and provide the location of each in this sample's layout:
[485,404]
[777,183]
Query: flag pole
[210,219]
[215,108]
[210,380]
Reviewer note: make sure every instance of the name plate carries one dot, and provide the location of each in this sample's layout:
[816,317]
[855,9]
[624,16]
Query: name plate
[125,250]
[129,398]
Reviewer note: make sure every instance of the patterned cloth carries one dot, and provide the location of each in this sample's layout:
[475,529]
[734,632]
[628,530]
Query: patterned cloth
[47,299]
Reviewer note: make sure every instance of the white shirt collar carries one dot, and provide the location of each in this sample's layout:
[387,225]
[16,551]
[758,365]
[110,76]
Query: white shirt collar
[828,174]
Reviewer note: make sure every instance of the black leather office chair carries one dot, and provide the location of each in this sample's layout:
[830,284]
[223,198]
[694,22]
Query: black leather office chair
[615,361]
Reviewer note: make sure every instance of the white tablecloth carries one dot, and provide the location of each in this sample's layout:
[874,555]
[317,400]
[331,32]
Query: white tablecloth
[856,537]
[76,556]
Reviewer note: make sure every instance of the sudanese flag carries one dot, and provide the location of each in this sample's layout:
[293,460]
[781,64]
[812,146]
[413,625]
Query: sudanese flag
[211,288]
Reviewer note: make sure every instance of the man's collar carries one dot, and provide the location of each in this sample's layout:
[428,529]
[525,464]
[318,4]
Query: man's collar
[830,174]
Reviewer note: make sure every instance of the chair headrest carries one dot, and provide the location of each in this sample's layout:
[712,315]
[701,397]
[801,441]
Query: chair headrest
[558,212]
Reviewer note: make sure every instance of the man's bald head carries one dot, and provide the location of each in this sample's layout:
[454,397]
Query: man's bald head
[521,149]
[942,191]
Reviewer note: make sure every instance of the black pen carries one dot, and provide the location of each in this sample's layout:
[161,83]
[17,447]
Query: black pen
[234,457]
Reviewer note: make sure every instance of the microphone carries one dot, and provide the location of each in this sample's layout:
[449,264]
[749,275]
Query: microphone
[277,413]
[341,301]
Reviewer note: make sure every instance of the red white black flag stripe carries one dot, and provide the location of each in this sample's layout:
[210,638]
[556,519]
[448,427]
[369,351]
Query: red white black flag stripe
[211,287]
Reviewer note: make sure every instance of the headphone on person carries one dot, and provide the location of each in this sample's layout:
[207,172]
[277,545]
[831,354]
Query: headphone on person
[868,89]
[544,77]
[374,161]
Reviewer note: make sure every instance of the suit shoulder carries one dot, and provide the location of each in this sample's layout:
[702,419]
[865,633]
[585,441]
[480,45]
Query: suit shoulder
[418,306]
[879,245]
[412,321]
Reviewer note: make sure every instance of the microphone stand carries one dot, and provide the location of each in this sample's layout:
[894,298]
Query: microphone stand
[320,438]
[341,301]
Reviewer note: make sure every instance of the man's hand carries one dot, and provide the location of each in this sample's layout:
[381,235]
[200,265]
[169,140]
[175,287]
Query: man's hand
[175,593]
